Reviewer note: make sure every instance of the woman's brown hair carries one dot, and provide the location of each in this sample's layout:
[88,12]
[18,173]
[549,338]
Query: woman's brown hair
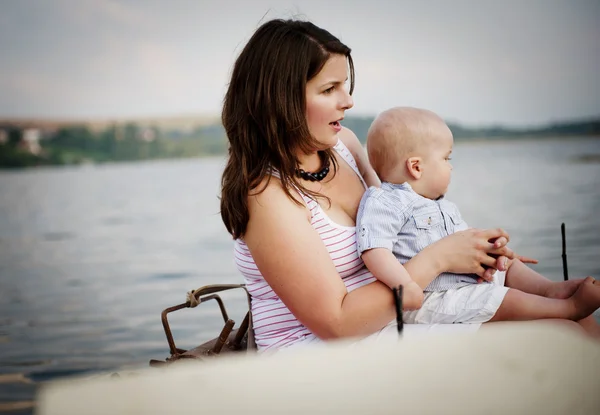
[264,111]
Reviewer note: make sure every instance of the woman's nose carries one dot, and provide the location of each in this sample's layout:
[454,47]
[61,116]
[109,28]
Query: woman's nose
[347,101]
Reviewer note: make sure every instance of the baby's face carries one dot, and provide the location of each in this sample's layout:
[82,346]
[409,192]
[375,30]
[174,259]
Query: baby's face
[437,169]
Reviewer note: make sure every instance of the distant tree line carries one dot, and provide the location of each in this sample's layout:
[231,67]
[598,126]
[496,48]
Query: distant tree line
[129,142]
[360,126]
[583,128]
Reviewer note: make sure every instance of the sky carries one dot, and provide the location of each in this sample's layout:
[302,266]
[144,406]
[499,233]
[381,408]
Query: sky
[476,62]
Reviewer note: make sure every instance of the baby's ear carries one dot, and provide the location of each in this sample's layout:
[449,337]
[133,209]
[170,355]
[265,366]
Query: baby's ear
[413,166]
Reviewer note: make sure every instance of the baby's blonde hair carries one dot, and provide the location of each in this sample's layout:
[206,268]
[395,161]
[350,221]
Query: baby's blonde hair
[398,134]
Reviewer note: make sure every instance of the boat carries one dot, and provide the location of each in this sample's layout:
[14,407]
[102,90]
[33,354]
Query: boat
[509,369]
[518,369]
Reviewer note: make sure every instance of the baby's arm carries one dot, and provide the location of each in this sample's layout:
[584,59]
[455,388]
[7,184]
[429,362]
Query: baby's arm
[386,268]
[379,220]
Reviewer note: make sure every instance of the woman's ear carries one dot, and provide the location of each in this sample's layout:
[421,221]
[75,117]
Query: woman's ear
[414,167]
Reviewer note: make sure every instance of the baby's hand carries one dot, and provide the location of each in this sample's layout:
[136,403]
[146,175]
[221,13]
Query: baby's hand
[412,296]
[524,259]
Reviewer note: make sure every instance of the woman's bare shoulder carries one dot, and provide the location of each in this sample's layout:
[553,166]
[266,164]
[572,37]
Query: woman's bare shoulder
[349,139]
[270,196]
[271,188]
[357,150]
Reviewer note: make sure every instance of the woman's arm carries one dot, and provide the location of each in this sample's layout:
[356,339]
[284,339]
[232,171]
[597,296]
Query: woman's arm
[358,152]
[296,264]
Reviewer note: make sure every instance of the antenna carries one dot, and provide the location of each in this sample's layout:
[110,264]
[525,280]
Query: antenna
[398,302]
[564,252]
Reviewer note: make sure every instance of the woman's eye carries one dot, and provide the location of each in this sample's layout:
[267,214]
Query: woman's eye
[329,90]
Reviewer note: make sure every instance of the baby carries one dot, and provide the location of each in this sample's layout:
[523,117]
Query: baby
[410,150]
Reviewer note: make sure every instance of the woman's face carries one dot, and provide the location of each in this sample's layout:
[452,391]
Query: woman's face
[327,99]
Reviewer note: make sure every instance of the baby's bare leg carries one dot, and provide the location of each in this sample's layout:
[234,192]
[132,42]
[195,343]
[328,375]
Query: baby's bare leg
[563,289]
[519,305]
[520,276]
[525,279]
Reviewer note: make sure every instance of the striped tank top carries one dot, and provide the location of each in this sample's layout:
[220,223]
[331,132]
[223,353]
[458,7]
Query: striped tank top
[274,325]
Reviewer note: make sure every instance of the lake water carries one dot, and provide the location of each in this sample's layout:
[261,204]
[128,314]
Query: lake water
[90,256]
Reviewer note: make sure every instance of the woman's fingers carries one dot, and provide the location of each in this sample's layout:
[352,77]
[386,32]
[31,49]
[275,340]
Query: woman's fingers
[502,263]
[485,274]
[472,251]
[488,275]
[500,242]
[495,234]
[504,251]
[480,271]
[491,252]
[488,261]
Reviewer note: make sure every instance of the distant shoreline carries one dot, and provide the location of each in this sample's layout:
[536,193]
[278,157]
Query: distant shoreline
[29,142]
[171,122]
[494,140]
[206,120]
[587,158]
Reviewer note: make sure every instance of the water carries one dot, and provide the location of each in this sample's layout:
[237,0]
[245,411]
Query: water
[89,256]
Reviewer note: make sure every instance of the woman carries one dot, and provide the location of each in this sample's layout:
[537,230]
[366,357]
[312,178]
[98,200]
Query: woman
[291,190]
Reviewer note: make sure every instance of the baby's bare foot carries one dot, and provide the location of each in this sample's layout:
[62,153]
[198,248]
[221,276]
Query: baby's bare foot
[586,298]
[563,289]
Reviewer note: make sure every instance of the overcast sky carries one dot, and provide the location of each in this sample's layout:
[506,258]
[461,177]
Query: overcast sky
[518,62]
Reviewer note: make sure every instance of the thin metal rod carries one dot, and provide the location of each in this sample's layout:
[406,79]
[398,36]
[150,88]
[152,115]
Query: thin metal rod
[398,302]
[564,252]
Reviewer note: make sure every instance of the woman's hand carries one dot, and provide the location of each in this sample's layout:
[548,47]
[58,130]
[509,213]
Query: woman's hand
[474,251]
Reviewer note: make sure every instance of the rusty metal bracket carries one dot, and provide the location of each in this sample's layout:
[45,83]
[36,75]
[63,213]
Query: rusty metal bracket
[214,347]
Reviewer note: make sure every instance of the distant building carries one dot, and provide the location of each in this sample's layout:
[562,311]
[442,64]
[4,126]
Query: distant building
[31,141]
[3,137]
[147,134]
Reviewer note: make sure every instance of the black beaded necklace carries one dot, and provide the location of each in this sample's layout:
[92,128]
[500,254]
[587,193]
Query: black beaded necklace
[318,175]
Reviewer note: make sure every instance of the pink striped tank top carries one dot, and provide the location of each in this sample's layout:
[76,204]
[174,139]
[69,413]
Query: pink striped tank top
[274,325]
